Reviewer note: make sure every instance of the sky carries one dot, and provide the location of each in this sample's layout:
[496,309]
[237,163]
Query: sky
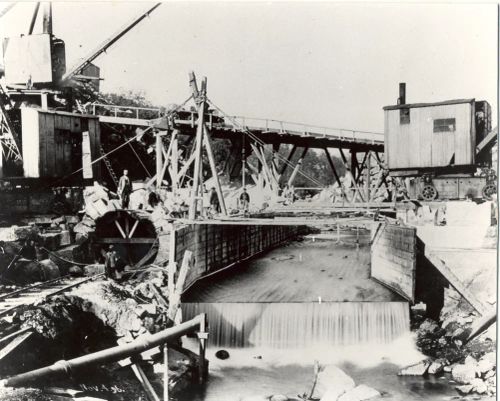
[325,63]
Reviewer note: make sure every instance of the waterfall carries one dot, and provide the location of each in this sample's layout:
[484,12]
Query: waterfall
[296,325]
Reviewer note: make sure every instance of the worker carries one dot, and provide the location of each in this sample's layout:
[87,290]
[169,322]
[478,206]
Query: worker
[124,189]
[110,262]
[214,201]
[244,200]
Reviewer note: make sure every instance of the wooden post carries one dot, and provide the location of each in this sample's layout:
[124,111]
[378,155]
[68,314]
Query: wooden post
[174,161]
[172,265]
[274,161]
[202,337]
[297,167]
[47,18]
[368,178]
[159,160]
[211,160]
[146,385]
[198,150]
[33,19]
[165,372]
[243,164]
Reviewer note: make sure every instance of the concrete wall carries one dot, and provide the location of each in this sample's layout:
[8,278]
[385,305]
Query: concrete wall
[393,258]
[216,246]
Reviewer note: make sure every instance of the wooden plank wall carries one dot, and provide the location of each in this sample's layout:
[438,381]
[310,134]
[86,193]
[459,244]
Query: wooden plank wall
[60,143]
[416,145]
[216,246]
[394,258]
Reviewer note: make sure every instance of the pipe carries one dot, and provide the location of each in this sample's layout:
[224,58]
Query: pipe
[402,93]
[113,354]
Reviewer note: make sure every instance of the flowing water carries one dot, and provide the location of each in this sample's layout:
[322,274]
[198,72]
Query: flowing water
[306,302]
[297,325]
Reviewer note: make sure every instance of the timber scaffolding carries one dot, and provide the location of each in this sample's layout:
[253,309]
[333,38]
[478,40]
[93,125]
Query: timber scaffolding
[262,138]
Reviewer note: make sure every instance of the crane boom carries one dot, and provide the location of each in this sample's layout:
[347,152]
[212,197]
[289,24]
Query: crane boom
[106,44]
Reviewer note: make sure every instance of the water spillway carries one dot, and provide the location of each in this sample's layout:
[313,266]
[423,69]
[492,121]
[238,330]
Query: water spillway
[297,296]
[300,325]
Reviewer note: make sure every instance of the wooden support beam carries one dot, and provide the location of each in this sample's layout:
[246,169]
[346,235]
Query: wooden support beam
[368,167]
[288,159]
[275,160]
[186,165]
[175,164]
[263,164]
[297,167]
[342,155]
[146,385]
[159,160]
[33,18]
[361,167]
[165,372]
[332,166]
[116,240]
[448,274]
[201,100]
[213,167]
[202,338]
[175,297]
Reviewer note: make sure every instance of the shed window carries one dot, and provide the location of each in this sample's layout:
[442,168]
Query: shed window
[404,116]
[444,125]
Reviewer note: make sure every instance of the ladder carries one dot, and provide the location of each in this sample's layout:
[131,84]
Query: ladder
[8,143]
[109,167]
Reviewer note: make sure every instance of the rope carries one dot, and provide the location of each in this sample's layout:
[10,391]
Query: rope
[133,150]
[259,141]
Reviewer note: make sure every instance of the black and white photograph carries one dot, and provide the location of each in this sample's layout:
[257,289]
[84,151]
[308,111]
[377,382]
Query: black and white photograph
[248,200]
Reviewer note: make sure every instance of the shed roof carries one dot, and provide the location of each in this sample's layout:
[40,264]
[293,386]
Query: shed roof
[417,105]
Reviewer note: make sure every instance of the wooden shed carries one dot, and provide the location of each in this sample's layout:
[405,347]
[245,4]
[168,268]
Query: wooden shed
[56,144]
[430,135]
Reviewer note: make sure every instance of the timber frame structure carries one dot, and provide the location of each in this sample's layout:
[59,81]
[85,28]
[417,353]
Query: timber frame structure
[361,152]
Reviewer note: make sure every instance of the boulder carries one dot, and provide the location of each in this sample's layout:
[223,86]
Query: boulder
[479,386]
[490,356]
[429,326]
[278,397]
[75,271]
[466,389]
[359,393]
[49,269]
[332,382]
[418,369]
[436,367]
[463,374]
[222,354]
[484,365]
[255,398]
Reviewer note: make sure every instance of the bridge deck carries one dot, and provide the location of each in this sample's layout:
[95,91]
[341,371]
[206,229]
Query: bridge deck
[269,131]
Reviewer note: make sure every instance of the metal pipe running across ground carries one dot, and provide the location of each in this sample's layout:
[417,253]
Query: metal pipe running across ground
[113,354]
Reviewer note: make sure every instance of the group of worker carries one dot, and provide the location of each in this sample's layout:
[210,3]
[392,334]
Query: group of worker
[212,199]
